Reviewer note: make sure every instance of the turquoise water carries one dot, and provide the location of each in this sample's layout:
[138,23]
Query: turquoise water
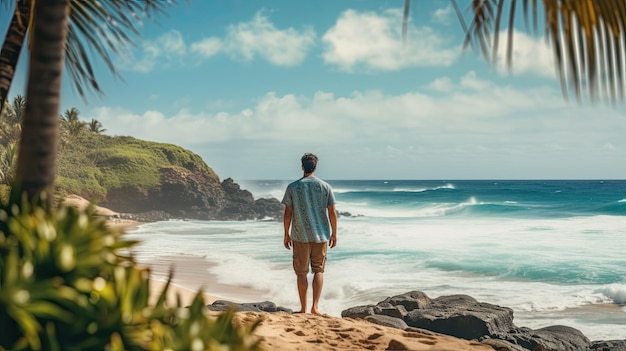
[551,250]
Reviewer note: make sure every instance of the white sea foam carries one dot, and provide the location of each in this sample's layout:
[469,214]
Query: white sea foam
[404,211]
[502,261]
[615,292]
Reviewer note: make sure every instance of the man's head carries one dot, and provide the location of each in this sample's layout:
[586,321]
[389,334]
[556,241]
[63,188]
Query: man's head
[309,163]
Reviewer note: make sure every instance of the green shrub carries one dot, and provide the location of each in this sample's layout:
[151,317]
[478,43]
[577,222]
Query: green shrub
[68,282]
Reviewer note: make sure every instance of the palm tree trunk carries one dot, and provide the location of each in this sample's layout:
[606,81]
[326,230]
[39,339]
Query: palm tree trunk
[12,46]
[36,165]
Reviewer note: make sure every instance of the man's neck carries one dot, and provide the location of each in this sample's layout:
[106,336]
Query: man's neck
[312,174]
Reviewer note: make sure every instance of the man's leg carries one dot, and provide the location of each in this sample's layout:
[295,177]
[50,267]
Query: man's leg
[318,283]
[318,263]
[303,285]
[301,262]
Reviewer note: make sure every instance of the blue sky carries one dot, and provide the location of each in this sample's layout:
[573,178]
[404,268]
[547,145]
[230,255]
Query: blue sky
[251,85]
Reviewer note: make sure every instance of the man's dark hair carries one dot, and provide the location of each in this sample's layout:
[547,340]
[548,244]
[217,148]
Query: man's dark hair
[309,162]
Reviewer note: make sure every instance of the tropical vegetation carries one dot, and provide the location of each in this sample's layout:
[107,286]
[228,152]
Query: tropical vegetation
[67,280]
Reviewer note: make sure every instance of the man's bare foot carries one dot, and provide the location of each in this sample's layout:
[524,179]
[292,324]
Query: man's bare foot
[301,311]
[315,311]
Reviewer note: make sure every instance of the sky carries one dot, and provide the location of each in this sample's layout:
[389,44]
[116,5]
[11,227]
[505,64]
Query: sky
[252,85]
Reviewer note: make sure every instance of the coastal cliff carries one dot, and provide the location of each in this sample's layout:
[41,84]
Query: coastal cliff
[154,181]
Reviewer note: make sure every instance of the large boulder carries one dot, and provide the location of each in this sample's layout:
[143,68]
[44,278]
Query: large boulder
[464,317]
[461,316]
[556,337]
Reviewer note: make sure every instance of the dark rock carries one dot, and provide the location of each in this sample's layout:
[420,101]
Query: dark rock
[393,311]
[561,337]
[608,345]
[360,311]
[461,316]
[556,338]
[221,305]
[387,321]
[265,306]
[240,205]
[268,209]
[411,300]
[502,345]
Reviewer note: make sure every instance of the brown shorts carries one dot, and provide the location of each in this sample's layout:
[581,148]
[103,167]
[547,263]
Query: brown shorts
[305,254]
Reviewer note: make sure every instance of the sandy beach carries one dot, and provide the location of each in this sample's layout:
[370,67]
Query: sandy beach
[287,332]
[291,332]
[81,203]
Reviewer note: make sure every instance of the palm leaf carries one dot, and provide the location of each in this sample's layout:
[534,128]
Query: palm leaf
[587,38]
[106,28]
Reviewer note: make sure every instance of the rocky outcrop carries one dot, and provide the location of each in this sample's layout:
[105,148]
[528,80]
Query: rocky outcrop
[240,204]
[464,317]
[192,194]
[460,316]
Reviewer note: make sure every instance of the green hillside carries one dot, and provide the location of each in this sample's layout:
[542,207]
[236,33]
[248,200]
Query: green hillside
[93,164]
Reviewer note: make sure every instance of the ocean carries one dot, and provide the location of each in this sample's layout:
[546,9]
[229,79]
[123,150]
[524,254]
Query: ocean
[552,250]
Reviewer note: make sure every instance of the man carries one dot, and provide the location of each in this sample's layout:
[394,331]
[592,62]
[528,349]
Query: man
[309,209]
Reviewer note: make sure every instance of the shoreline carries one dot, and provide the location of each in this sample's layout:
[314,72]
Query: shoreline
[186,277]
[300,332]
[283,331]
[187,281]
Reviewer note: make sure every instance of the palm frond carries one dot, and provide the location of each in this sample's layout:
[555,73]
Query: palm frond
[405,19]
[105,28]
[587,38]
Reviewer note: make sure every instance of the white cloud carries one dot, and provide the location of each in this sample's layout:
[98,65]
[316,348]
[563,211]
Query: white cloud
[530,55]
[471,105]
[471,81]
[371,40]
[207,47]
[443,15]
[471,126]
[443,84]
[165,50]
[244,41]
[260,37]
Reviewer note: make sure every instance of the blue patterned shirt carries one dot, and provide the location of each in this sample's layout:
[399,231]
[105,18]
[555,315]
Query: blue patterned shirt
[309,197]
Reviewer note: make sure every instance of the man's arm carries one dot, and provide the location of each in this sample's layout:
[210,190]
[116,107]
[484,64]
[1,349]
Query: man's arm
[287,223]
[332,217]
